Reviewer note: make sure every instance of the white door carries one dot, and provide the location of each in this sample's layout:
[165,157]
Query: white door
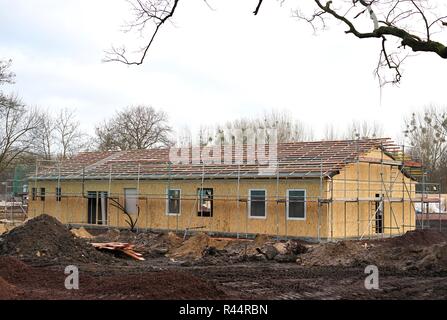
[131,199]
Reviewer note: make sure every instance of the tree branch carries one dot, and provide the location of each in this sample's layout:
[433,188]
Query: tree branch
[257,7]
[407,39]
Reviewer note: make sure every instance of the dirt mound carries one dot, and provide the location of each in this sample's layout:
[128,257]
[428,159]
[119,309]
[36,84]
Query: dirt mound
[162,240]
[155,245]
[261,240]
[8,291]
[10,266]
[432,258]
[418,238]
[333,254]
[172,240]
[45,238]
[111,235]
[417,250]
[198,246]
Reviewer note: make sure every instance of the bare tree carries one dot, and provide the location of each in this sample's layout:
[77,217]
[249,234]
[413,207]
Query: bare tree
[428,140]
[139,127]
[184,137]
[400,27]
[68,135]
[331,133]
[107,138]
[287,129]
[208,135]
[43,136]
[17,122]
[355,130]
[364,130]
[5,75]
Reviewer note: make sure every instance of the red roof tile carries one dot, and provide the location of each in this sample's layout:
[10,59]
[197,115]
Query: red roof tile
[297,159]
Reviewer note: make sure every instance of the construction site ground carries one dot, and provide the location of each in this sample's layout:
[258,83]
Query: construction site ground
[33,258]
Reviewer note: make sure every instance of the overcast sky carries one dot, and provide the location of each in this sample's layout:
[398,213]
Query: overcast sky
[209,66]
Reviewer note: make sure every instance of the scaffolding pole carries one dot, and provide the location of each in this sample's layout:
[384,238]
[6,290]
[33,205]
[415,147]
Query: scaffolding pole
[320,199]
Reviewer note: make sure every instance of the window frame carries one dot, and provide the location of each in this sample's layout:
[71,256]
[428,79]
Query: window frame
[200,213]
[264,217]
[288,205]
[58,194]
[43,193]
[95,218]
[33,194]
[179,202]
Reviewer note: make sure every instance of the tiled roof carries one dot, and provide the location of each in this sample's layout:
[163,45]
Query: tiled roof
[297,159]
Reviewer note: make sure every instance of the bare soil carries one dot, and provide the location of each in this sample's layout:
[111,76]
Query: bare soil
[44,238]
[413,266]
[420,250]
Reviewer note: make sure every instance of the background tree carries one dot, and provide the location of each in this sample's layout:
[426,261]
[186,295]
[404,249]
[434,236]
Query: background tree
[17,122]
[399,26]
[288,129]
[138,127]
[6,76]
[364,130]
[59,137]
[44,136]
[426,134]
[355,130]
[331,133]
[68,134]
[184,137]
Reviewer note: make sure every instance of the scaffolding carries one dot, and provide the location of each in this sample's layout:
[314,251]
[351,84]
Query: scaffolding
[334,195]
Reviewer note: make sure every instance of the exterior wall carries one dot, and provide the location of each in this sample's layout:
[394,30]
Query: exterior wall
[230,215]
[349,218]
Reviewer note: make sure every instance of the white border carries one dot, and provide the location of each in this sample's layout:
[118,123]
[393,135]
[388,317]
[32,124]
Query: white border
[249,204]
[167,203]
[305,205]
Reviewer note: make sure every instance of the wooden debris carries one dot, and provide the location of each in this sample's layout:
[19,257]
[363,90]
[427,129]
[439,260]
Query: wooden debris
[126,248]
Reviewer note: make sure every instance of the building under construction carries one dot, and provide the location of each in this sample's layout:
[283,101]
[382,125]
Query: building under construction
[320,190]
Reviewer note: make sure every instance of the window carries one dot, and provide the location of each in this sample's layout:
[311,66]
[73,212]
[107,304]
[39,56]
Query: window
[173,202]
[131,201]
[205,203]
[97,207]
[58,194]
[256,204]
[379,209]
[34,194]
[42,194]
[296,204]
